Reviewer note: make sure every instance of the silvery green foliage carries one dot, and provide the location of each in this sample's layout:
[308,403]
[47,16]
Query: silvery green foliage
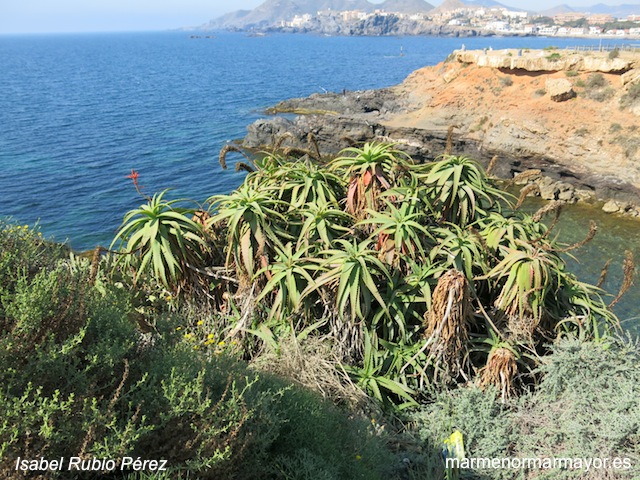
[587,405]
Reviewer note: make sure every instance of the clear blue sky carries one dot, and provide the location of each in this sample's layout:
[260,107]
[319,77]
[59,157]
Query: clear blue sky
[27,16]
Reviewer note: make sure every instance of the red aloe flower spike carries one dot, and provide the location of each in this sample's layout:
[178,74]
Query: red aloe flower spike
[134,176]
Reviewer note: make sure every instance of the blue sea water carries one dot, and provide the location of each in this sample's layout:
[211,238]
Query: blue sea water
[78,112]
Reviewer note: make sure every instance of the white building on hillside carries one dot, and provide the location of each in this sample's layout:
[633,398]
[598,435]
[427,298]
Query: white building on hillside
[498,26]
[300,20]
[513,15]
[548,30]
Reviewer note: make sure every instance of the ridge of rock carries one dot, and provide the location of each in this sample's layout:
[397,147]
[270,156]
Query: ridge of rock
[590,139]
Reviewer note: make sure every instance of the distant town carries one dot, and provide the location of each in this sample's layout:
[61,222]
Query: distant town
[494,20]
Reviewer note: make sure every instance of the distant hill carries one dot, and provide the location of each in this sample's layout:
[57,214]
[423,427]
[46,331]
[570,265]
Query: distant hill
[273,11]
[406,6]
[489,4]
[557,10]
[620,11]
[455,4]
[449,5]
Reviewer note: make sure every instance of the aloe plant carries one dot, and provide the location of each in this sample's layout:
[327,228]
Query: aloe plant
[461,190]
[401,232]
[290,273]
[251,219]
[352,270]
[529,273]
[460,249]
[369,170]
[408,266]
[322,225]
[375,379]
[499,230]
[161,236]
[303,182]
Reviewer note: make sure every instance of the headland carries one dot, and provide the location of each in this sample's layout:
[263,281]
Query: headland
[573,115]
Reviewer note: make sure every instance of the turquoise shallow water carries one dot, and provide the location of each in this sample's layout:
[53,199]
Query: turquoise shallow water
[78,112]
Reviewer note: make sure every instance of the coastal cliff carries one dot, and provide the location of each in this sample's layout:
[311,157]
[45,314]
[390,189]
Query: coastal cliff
[575,116]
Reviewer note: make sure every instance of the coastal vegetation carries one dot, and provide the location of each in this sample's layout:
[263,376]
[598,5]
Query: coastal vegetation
[330,318]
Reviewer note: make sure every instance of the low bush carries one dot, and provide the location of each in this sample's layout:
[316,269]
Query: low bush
[79,378]
[587,406]
[601,94]
[596,80]
[630,144]
[22,249]
[631,97]
[506,81]
[596,87]
[615,128]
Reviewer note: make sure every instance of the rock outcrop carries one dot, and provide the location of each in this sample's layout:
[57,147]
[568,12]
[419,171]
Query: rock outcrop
[586,147]
[559,89]
[547,60]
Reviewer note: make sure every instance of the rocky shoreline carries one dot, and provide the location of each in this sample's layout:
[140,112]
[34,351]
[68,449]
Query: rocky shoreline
[574,116]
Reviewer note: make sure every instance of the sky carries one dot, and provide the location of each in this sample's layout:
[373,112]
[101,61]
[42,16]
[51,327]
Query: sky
[56,16]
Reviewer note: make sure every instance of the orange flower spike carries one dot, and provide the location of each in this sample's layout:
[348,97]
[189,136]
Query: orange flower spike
[134,176]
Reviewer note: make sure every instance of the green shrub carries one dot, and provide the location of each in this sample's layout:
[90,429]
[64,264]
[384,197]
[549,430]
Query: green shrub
[23,250]
[597,88]
[80,379]
[615,128]
[506,81]
[587,405]
[602,95]
[631,97]
[483,421]
[596,80]
[630,144]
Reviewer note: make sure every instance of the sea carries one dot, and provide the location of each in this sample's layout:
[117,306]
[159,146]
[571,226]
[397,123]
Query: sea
[79,112]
